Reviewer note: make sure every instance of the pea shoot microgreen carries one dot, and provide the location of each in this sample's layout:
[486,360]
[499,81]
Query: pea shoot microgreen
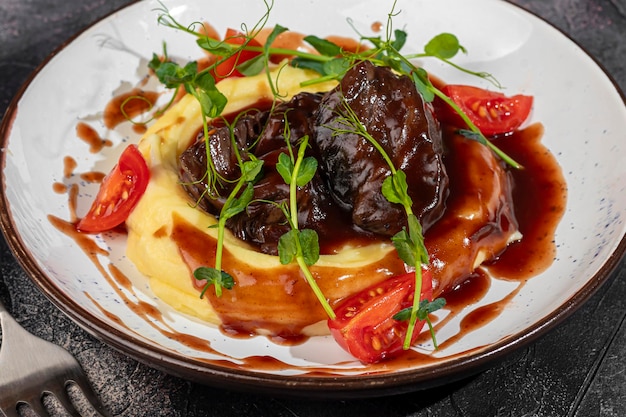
[300,245]
[236,202]
[409,242]
[201,85]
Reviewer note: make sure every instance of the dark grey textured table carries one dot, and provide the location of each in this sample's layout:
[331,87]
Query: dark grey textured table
[578,369]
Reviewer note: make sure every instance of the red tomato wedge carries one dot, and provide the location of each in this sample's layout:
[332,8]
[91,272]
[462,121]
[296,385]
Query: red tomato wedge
[364,323]
[119,193]
[493,113]
[228,67]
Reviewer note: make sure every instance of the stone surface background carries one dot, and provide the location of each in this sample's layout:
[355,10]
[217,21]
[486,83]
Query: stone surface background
[578,369]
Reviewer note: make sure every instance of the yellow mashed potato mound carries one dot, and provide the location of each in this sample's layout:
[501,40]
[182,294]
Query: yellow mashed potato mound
[152,221]
[274,298]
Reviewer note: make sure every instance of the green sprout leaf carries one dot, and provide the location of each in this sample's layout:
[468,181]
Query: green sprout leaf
[211,101]
[216,47]
[404,246]
[396,190]
[240,203]
[323,46]
[310,64]
[471,135]
[444,46]
[425,308]
[251,170]
[400,38]
[336,67]
[417,239]
[288,247]
[285,167]
[252,66]
[423,84]
[278,29]
[214,277]
[309,241]
[307,171]
[172,74]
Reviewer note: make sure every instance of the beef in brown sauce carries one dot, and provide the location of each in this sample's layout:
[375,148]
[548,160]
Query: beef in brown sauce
[394,114]
[346,191]
[258,132]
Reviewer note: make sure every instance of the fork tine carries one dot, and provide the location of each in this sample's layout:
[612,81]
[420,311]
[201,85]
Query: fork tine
[63,398]
[36,404]
[85,388]
[32,366]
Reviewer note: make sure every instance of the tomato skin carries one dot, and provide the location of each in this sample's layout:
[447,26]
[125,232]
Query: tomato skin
[364,324]
[228,67]
[119,193]
[493,113]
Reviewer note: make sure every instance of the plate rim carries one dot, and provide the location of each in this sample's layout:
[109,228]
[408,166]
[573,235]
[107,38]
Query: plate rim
[340,386]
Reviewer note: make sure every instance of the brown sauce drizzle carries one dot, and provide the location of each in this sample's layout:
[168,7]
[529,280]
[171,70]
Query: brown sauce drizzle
[118,281]
[295,41]
[539,195]
[93,176]
[377,26]
[127,106]
[59,188]
[69,165]
[91,137]
[259,292]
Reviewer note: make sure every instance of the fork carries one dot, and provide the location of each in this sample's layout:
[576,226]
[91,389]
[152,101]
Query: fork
[31,368]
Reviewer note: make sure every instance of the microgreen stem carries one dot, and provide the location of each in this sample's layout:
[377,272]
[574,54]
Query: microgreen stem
[506,158]
[293,186]
[414,308]
[293,211]
[222,224]
[313,284]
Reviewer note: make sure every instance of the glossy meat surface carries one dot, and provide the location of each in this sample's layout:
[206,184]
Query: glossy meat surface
[344,200]
[394,115]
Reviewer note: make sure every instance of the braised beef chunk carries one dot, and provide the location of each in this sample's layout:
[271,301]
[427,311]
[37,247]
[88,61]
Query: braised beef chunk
[299,113]
[193,162]
[394,114]
[263,224]
[259,132]
[344,198]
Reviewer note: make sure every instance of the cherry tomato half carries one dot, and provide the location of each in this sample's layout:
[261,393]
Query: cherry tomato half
[228,67]
[492,112]
[364,323]
[119,193]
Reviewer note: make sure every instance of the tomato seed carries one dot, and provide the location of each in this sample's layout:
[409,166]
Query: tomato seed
[376,343]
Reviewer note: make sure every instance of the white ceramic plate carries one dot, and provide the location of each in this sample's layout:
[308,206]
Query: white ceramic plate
[584,118]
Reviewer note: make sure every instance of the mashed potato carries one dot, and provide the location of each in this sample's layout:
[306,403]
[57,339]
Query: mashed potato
[168,237]
[165,204]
